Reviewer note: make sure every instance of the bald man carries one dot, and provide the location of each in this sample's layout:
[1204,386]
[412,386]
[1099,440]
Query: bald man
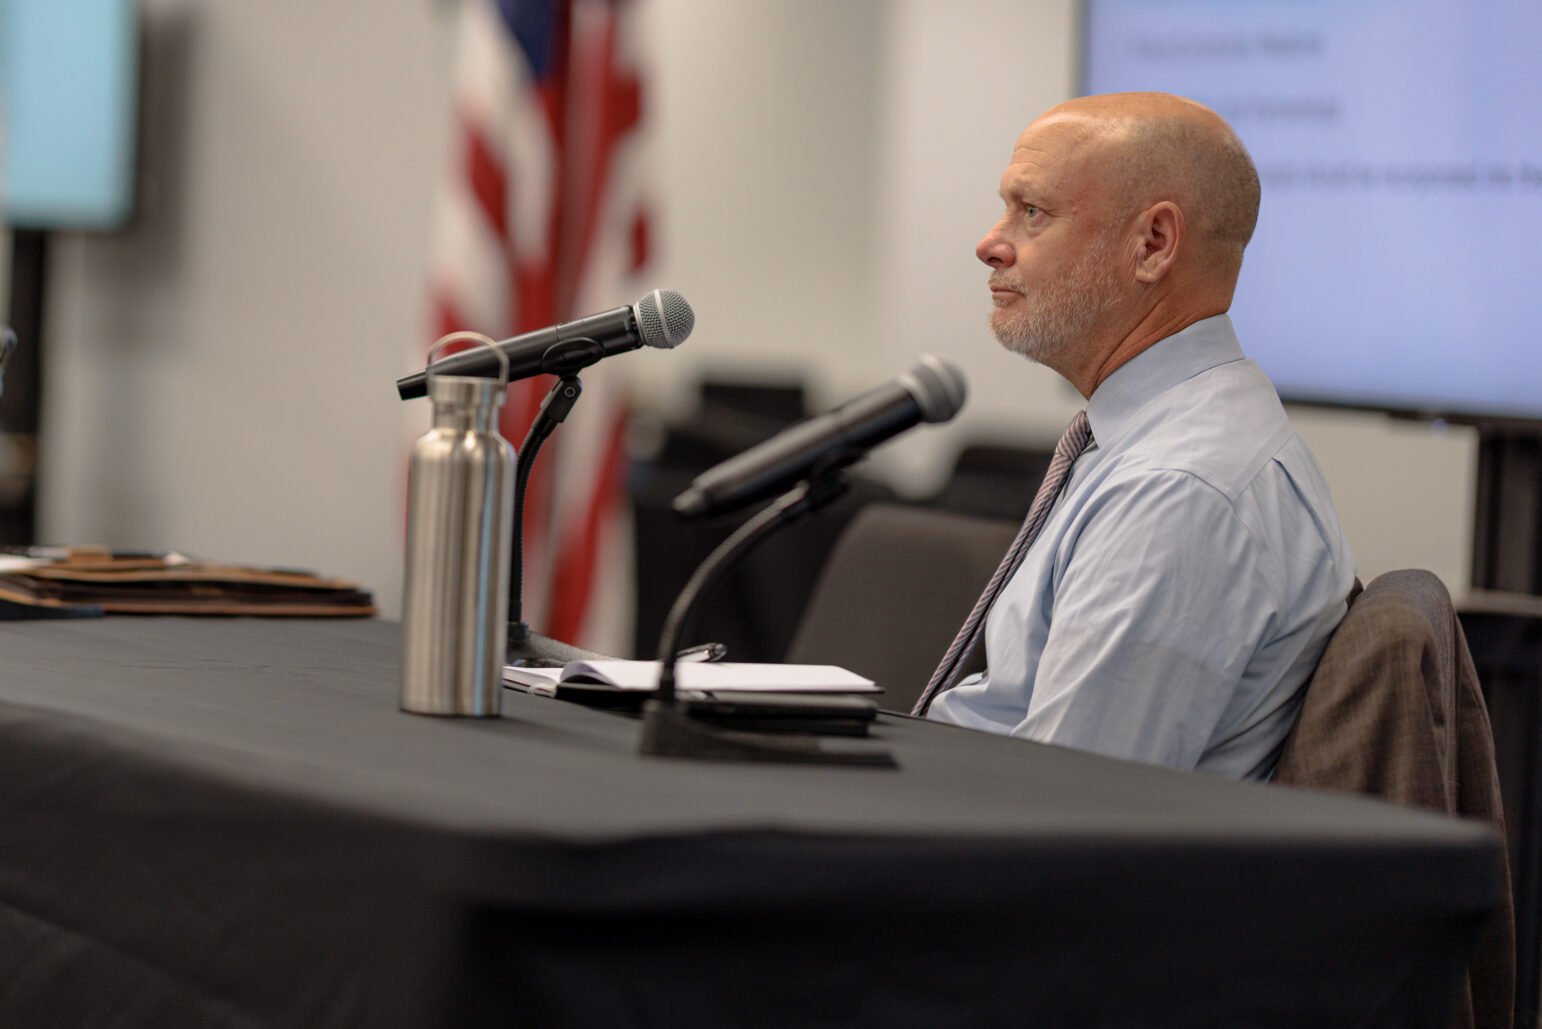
[1190,568]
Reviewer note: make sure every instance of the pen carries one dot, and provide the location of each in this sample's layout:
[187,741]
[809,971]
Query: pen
[703,652]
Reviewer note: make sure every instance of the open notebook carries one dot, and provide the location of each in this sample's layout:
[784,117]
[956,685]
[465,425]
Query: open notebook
[693,676]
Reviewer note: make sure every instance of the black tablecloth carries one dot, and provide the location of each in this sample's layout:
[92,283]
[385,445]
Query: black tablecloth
[227,822]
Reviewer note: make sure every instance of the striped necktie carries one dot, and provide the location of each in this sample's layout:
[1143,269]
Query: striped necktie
[1077,435]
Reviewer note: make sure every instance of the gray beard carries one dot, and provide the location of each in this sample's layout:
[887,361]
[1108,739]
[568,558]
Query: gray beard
[1060,314]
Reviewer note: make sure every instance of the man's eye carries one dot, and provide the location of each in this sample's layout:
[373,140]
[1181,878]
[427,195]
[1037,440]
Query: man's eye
[1030,210]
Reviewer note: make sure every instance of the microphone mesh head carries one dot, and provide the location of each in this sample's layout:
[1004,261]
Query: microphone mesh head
[937,385]
[664,319]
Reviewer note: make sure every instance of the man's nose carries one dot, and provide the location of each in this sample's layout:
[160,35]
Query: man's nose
[994,250]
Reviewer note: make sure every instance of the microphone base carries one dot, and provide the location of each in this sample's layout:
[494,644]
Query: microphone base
[533,650]
[669,732]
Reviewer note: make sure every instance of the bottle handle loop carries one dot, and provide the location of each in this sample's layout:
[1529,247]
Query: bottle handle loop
[467,336]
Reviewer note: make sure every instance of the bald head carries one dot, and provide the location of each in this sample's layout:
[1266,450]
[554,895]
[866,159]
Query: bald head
[1125,217]
[1143,148]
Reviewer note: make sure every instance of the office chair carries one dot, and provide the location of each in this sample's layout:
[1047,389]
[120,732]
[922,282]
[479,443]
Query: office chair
[896,588]
[994,480]
[1394,711]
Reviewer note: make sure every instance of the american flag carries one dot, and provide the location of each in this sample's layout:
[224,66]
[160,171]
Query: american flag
[543,217]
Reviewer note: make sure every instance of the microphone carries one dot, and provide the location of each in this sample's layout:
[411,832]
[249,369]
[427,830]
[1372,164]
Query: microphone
[930,390]
[660,319]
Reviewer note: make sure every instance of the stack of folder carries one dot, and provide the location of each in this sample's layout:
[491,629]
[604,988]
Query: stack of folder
[85,581]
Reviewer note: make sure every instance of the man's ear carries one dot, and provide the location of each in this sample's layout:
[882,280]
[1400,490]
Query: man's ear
[1161,231]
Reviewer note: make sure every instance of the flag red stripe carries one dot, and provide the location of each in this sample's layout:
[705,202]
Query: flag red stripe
[488,181]
[641,241]
[616,107]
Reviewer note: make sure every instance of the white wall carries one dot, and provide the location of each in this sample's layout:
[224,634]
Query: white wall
[770,117]
[961,85]
[220,375]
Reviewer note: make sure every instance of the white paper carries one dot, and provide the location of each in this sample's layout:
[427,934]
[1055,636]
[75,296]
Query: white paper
[535,679]
[15,563]
[707,677]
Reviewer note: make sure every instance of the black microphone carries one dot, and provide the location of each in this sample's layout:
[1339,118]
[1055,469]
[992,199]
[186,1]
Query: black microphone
[930,390]
[660,319]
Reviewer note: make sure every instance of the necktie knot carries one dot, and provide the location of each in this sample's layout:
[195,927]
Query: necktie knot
[1074,440]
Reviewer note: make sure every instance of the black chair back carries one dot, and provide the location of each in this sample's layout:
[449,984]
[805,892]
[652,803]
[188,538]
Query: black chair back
[897,587]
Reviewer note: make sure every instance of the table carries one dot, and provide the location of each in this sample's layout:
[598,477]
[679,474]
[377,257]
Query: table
[226,822]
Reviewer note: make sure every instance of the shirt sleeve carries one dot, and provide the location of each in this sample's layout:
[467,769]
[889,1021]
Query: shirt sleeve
[1160,600]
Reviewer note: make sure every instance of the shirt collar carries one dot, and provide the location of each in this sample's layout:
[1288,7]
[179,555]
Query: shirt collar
[1204,345]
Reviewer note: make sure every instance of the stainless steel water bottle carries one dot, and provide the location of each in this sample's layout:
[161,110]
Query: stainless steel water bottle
[459,516]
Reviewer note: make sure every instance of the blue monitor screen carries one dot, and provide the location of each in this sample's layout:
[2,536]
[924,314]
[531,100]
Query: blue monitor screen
[68,78]
[1400,147]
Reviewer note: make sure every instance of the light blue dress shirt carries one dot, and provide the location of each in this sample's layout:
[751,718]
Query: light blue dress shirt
[1185,583]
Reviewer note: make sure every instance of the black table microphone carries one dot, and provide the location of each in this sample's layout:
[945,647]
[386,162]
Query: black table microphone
[660,319]
[930,390]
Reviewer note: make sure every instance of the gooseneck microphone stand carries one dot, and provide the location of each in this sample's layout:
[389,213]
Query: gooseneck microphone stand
[668,728]
[526,647]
